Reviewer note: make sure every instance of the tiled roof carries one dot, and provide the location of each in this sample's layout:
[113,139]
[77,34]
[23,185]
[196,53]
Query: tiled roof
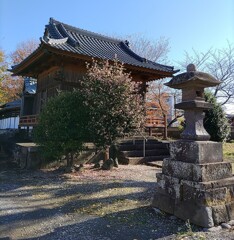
[64,37]
[13,104]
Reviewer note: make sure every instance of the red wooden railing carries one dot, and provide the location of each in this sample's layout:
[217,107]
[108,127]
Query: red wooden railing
[29,120]
[153,122]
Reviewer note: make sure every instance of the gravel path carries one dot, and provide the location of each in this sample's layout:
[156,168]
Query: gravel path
[92,205]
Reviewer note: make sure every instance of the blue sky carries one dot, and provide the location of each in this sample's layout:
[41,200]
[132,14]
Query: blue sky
[198,24]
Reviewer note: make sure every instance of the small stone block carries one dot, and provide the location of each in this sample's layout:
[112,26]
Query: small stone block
[207,198]
[230,211]
[163,202]
[226,226]
[226,182]
[199,215]
[231,223]
[158,176]
[197,172]
[172,186]
[196,151]
[220,214]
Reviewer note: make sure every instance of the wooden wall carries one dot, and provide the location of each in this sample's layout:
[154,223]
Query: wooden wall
[66,77]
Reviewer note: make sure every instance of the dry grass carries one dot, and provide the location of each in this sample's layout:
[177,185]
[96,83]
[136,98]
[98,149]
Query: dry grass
[228,151]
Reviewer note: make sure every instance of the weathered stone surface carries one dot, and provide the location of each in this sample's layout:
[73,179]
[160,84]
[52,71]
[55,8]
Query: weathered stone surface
[195,183]
[196,151]
[197,172]
[220,214]
[226,182]
[196,214]
[171,186]
[158,176]
[207,198]
[190,79]
[108,164]
[212,171]
[163,201]
[231,223]
[226,226]
[194,103]
[230,210]
[194,129]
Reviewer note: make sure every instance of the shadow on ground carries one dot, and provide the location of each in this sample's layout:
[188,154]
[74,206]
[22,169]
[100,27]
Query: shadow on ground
[39,205]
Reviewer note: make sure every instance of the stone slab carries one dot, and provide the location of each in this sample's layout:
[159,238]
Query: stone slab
[194,105]
[211,197]
[197,172]
[220,214]
[163,202]
[199,215]
[230,210]
[184,191]
[171,186]
[196,151]
[226,182]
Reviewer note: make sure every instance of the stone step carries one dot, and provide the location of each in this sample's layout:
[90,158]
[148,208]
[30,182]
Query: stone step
[129,147]
[141,160]
[131,152]
[157,164]
[139,153]
[138,141]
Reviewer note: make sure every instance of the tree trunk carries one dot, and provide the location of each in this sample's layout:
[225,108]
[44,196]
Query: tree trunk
[68,159]
[71,159]
[107,153]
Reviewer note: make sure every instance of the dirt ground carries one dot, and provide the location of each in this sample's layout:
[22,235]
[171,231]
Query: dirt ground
[89,205]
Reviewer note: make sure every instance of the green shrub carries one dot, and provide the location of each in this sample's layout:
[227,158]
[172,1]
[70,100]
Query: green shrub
[62,126]
[215,121]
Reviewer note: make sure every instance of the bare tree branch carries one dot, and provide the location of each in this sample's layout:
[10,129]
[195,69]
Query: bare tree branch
[220,64]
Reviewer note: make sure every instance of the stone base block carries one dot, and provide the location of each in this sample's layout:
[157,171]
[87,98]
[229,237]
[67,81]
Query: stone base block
[199,215]
[230,210]
[220,214]
[185,191]
[196,151]
[197,172]
[170,185]
[211,197]
[226,182]
[163,202]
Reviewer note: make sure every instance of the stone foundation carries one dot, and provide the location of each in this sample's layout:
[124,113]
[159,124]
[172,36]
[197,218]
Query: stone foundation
[196,151]
[196,184]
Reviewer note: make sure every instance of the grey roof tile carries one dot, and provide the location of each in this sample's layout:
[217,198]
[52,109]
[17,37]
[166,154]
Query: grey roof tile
[13,104]
[65,37]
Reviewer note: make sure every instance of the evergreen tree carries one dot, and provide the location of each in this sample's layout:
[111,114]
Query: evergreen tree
[62,126]
[114,104]
[215,121]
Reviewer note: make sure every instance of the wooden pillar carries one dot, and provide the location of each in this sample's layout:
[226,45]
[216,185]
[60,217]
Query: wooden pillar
[150,131]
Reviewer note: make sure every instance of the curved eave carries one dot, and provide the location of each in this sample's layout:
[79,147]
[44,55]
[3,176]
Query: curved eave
[45,48]
[128,66]
[33,57]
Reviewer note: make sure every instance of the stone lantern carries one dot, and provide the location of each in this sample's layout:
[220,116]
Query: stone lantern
[193,103]
[195,183]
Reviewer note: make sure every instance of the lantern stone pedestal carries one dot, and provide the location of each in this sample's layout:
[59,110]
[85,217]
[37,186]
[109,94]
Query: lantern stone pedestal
[195,182]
